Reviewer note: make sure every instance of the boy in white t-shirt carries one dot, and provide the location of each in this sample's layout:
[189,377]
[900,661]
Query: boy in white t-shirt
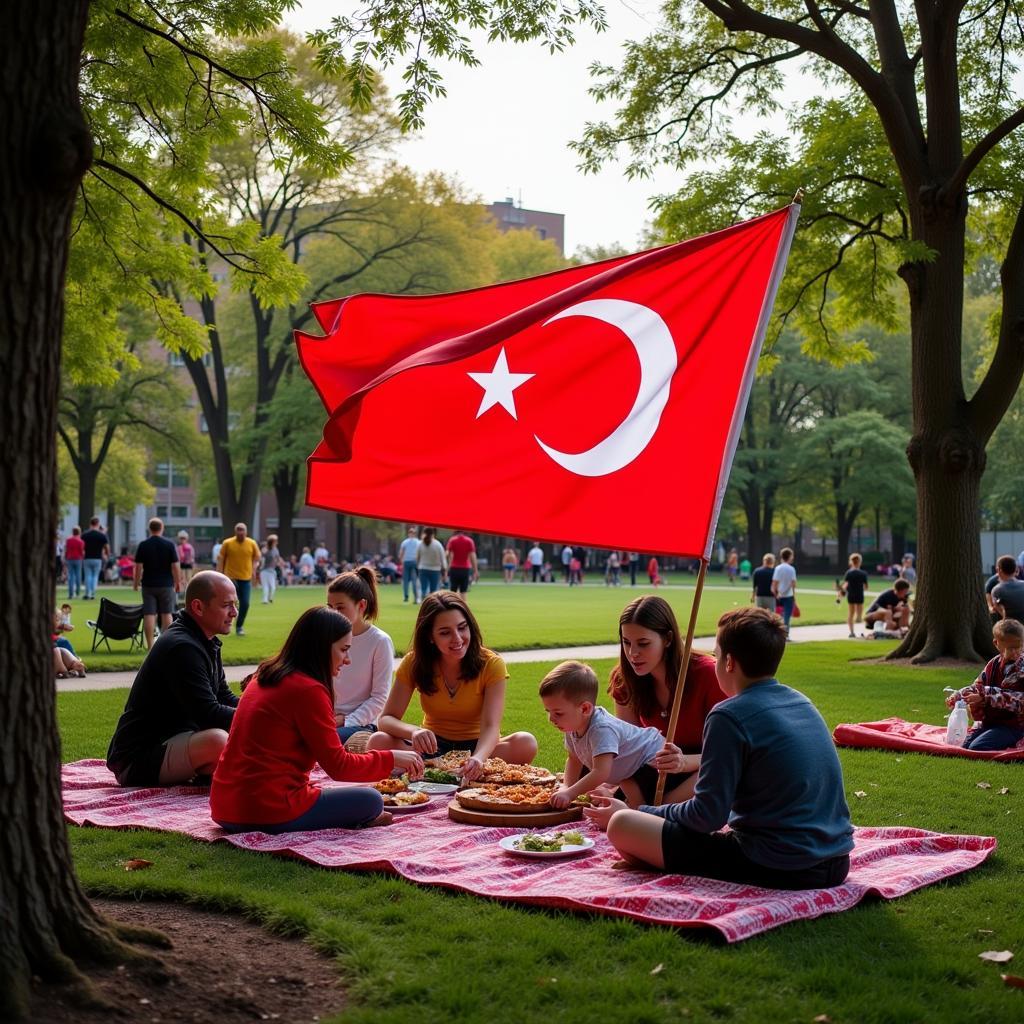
[613,752]
[784,585]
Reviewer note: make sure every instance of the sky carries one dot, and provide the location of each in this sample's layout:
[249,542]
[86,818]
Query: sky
[503,129]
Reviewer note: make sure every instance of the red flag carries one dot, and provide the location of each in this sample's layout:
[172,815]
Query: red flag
[599,405]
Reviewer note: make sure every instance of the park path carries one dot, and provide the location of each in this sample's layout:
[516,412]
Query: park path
[234,673]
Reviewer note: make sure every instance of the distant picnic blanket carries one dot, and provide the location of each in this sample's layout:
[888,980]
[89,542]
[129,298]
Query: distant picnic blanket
[426,847]
[918,737]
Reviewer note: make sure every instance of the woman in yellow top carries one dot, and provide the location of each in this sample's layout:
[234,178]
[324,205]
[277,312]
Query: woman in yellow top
[462,691]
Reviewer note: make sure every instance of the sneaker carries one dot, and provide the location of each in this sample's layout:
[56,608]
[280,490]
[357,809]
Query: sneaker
[853,636]
[239,632]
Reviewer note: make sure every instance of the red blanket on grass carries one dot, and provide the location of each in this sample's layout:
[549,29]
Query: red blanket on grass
[428,848]
[918,737]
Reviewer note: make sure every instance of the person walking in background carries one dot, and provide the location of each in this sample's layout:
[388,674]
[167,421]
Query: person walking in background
[761,591]
[239,560]
[633,558]
[613,568]
[907,570]
[186,556]
[784,585]
[535,558]
[156,570]
[270,560]
[855,582]
[566,559]
[509,562]
[732,565]
[74,556]
[407,556]
[215,554]
[653,571]
[97,551]
[431,563]
[462,562]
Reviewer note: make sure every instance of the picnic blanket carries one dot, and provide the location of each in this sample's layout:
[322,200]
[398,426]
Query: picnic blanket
[918,737]
[426,847]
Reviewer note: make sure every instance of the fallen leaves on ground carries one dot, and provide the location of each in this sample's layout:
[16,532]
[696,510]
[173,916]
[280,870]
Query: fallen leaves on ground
[996,956]
[984,785]
[137,864]
[1013,980]
[859,793]
[1004,791]
[658,969]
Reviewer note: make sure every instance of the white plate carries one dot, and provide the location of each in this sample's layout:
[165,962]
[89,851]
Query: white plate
[433,787]
[408,808]
[508,845]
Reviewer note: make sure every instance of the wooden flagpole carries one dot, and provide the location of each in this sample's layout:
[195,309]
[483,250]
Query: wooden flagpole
[677,697]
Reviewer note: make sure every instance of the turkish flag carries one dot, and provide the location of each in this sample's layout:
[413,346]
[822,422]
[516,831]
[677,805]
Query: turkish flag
[599,405]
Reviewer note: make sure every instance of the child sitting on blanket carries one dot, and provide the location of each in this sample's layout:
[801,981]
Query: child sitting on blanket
[613,752]
[996,697]
[768,769]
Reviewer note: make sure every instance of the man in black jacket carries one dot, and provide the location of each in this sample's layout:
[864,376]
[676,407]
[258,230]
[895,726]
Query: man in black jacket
[179,710]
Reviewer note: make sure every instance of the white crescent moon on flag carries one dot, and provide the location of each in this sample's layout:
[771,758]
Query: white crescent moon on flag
[652,339]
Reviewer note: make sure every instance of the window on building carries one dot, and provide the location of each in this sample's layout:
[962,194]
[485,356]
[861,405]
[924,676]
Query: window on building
[210,512]
[179,475]
[175,512]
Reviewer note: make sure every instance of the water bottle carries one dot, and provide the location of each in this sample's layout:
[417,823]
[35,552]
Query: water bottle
[956,729]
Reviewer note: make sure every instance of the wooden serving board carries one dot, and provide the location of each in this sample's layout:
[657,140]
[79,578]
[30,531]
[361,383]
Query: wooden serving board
[500,818]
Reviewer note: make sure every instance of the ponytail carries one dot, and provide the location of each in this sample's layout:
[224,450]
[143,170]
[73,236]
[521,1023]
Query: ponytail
[360,585]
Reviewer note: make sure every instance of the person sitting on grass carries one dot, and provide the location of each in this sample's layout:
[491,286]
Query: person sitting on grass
[891,608]
[769,770]
[603,750]
[362,689]
[66,663]
[461,687]
[996,697]
[284,726]
[176,720]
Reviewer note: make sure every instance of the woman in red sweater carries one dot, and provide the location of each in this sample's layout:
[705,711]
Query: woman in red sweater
[284,724]
[644,682]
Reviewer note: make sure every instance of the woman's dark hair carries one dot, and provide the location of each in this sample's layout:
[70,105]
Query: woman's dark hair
[428,534]
[307,649]
[654,613]
[425,655]
[360,585]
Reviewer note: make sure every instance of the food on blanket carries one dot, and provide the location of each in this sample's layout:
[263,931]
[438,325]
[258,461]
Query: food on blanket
[521,799]
[405,799]
[548,842]
[450,762]
[387,786]
[442,777]
[583,800]
[501,772]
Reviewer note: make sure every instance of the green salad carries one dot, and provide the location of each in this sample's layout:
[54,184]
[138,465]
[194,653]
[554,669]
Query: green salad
[436,775]
[549,842]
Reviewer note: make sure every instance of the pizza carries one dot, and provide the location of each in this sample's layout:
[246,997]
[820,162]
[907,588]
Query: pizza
[502,773]
[404,799]
[450,762]
[392,786]
[518,799]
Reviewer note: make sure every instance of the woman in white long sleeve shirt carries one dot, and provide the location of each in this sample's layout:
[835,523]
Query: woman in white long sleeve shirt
[431,562]
[361,691]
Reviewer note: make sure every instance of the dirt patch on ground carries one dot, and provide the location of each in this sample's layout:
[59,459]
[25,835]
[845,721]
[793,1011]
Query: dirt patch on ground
[221,968]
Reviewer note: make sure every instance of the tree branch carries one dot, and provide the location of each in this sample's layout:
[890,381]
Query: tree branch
[958,182]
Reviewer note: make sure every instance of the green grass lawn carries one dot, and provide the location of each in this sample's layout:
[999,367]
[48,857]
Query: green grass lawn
[412,954]
[512,617]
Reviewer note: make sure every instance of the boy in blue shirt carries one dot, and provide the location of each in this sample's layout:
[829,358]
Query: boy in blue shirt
[769,770]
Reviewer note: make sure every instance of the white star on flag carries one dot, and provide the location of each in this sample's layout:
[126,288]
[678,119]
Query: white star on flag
[498,386]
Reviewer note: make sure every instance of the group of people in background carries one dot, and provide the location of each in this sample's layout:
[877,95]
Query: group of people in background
[331,697]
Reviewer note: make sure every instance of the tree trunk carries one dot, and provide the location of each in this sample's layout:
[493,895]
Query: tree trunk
[948,460]
[46,923]
[88,471]
[286,486]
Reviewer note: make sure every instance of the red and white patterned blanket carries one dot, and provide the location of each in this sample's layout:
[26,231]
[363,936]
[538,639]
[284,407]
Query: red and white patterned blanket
[428,848]
[916,737]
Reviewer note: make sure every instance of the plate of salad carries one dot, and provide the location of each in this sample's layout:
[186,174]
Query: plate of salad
[547,844]
[436,781]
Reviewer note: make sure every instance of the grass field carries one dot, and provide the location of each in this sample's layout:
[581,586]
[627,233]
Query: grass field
[412,954]
[512,617]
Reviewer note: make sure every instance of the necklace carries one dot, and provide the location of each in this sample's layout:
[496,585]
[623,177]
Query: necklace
[452,690]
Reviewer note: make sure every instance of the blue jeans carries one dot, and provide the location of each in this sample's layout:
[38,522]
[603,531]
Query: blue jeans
[1001,736]
[346,732]
[347,807]
[408,580]
[787,609]
[243,588]
[430,580]
[74,576]
[66,644]
[92,575]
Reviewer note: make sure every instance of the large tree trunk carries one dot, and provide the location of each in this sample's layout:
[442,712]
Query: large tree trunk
[947,458]
[88,471]
[46,923]
[286,487]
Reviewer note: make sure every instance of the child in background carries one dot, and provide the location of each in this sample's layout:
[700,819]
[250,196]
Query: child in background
[652,571]
[996,697]
[362,690]
[64,619]
[769,770]
[614,752]
[853,585]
